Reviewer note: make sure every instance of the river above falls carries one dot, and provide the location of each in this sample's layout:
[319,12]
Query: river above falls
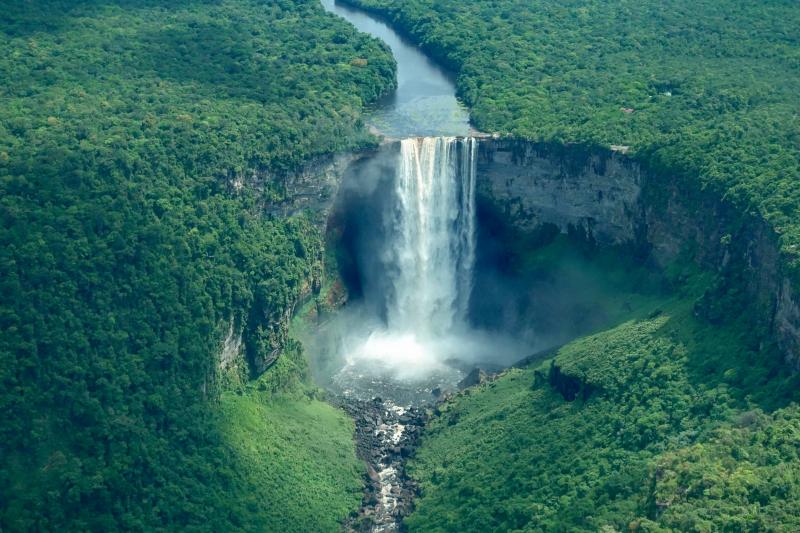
[425,102]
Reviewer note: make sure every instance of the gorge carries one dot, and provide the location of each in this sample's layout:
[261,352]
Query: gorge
[413,280]
[608,197]
[405,277]
[270,267]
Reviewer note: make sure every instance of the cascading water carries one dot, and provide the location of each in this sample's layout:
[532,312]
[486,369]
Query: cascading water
[432,242]
[404,339]
[410,251]
[426,261]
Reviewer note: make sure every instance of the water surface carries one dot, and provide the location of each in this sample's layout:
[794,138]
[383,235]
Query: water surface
[424,103]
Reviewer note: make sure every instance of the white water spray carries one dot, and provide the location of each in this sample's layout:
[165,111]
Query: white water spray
[428,258]
[432,238]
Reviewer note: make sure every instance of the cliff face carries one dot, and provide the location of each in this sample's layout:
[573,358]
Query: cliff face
[612,200]
[787,321]
[310,189]
[601,194]
[531,186]
[255,340]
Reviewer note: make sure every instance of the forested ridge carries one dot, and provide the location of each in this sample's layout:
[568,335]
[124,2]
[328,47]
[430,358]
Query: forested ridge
[659,421]
[126,252]
[132,245]
[699,90]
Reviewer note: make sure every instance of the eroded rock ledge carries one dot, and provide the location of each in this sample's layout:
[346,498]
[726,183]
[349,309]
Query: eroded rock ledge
[611,199]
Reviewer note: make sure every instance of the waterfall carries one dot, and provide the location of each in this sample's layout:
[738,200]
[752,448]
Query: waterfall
[468,235]
[431,238]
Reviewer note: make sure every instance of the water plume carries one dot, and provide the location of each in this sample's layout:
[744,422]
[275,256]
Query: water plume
[431,238]
[426,259]
[410,220]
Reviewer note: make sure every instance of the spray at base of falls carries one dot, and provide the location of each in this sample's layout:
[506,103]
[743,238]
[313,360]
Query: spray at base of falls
[428,259]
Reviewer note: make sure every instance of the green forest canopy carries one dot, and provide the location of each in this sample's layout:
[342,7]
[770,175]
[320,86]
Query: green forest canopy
[125,252]
[705,89]
[662,422]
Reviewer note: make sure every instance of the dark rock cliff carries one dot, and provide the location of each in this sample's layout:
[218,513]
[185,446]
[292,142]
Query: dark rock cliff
[612,200]
[309,189]
[254,342]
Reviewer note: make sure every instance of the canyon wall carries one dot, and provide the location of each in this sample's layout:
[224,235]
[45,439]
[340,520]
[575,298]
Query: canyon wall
[610,199]
[602,195]
[253,342]
[310,189]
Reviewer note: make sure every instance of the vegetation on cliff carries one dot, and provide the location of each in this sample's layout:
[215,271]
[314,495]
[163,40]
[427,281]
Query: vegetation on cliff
[701,90]
[131,238]
[662,422]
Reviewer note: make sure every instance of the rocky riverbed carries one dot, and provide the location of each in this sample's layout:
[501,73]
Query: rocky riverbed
[386,436]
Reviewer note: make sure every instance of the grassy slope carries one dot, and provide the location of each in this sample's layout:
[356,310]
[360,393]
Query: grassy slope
[289,456]
[301,470]
[651,443]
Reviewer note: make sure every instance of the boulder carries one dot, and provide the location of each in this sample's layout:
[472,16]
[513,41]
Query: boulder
[475,377]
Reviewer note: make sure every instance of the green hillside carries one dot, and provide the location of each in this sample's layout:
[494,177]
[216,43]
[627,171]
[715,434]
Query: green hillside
[125,252]
[703,90]
[662,422]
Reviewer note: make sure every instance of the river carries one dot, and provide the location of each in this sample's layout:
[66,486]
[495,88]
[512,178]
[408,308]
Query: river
[424,103]
[417,253]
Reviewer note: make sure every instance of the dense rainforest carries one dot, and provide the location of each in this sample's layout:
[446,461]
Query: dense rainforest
[144,273]
[127,252]
[701,90]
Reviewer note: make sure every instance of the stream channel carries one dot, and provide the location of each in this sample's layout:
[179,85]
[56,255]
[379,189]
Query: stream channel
[394,354]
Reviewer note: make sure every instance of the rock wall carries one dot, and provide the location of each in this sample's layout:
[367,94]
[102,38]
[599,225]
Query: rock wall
[612,200]
[787,321]
[310,189]
[531,186]
[262,333]
[602,194]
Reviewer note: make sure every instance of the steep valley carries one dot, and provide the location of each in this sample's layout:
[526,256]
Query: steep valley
[607,288]
[260,270]
[648,321]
